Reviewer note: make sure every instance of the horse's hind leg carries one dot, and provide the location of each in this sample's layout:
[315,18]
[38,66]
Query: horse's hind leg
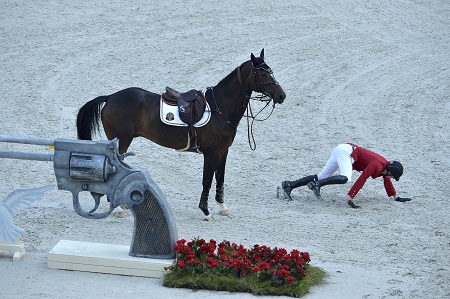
[124,144]
[220,179]
[124,138]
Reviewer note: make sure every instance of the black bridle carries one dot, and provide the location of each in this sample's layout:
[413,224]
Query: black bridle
[263,96]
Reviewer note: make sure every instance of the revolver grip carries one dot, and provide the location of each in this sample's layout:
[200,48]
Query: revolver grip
[153,236]
[155,233]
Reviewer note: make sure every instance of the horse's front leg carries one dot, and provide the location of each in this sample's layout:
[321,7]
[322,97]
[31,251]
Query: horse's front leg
[220,179]
[209,166]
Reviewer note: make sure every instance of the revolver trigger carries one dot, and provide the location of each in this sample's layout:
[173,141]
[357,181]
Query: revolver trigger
[97,197]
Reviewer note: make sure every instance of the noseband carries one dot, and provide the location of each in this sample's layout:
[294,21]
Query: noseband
[258,79]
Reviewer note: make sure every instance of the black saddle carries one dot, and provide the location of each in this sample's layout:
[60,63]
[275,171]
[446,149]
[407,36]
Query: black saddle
[171,95]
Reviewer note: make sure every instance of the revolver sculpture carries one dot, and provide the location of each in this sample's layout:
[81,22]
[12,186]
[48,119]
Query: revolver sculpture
[97,167]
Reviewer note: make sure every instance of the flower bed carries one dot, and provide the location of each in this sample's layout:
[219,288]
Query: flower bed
[230,267]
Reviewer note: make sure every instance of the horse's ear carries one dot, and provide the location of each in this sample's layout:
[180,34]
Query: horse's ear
[262,54]
[253,58]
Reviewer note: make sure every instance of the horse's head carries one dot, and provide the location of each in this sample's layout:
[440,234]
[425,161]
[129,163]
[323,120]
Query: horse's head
[264,79]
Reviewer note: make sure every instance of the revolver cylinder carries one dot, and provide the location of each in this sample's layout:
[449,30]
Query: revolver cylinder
[90,167]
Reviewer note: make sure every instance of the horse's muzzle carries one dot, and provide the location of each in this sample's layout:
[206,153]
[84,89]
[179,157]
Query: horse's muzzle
[279,96]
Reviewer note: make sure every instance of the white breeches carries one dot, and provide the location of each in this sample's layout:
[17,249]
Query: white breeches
[340,159]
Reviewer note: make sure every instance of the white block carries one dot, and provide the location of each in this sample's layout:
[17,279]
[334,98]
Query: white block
[18,248]
[103,258]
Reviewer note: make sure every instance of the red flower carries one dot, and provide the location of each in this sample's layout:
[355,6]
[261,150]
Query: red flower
[204,248]
[230,258]
[299,262]
[181,264]
[285,267]
[264,266]
[305,255]
[190,256]
[290,279]
[283,272]
[190,262]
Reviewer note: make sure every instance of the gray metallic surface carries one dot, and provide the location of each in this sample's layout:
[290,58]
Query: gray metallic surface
[97,167]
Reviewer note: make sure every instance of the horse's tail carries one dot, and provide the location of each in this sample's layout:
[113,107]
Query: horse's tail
[88,118]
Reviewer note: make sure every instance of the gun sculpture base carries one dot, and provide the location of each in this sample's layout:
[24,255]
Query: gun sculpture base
[17,248]
[103,258]
[97,167]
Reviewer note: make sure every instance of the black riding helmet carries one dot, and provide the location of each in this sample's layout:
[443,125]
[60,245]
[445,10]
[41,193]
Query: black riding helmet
[395,168]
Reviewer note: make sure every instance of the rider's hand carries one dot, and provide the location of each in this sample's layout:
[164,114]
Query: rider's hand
[351,204]
[402,199]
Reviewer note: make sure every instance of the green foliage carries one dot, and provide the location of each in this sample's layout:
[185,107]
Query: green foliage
[231,267]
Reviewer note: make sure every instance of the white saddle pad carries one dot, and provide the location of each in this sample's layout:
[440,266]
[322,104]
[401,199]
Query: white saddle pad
[170,116]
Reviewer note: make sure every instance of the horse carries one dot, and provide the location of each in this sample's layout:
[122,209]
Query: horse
[135,112]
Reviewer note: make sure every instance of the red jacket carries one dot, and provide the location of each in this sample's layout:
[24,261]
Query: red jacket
[371,164]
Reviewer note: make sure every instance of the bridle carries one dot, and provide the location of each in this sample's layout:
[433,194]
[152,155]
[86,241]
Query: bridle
[263,96]
[263,67]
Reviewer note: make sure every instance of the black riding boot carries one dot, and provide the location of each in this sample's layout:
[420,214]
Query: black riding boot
[315,185]
[289,185]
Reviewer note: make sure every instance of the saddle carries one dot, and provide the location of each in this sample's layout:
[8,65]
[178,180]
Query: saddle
[191,104]
[191,107]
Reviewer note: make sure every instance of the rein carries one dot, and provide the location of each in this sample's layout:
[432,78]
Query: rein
[263,97]
[250,137]
[218,110]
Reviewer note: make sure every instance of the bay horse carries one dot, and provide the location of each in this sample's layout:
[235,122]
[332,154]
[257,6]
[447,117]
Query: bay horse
[135,112]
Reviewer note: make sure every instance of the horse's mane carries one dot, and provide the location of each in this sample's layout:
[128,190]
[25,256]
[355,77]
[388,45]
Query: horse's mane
[232,75]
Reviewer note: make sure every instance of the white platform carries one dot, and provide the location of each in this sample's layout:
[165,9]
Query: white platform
[18,248]
[103,258]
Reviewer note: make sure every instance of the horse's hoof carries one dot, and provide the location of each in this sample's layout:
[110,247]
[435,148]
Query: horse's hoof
[224,212]
[119,214]
[208,218]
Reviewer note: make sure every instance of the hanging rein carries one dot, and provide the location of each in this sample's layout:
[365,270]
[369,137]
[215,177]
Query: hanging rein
[262,97]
